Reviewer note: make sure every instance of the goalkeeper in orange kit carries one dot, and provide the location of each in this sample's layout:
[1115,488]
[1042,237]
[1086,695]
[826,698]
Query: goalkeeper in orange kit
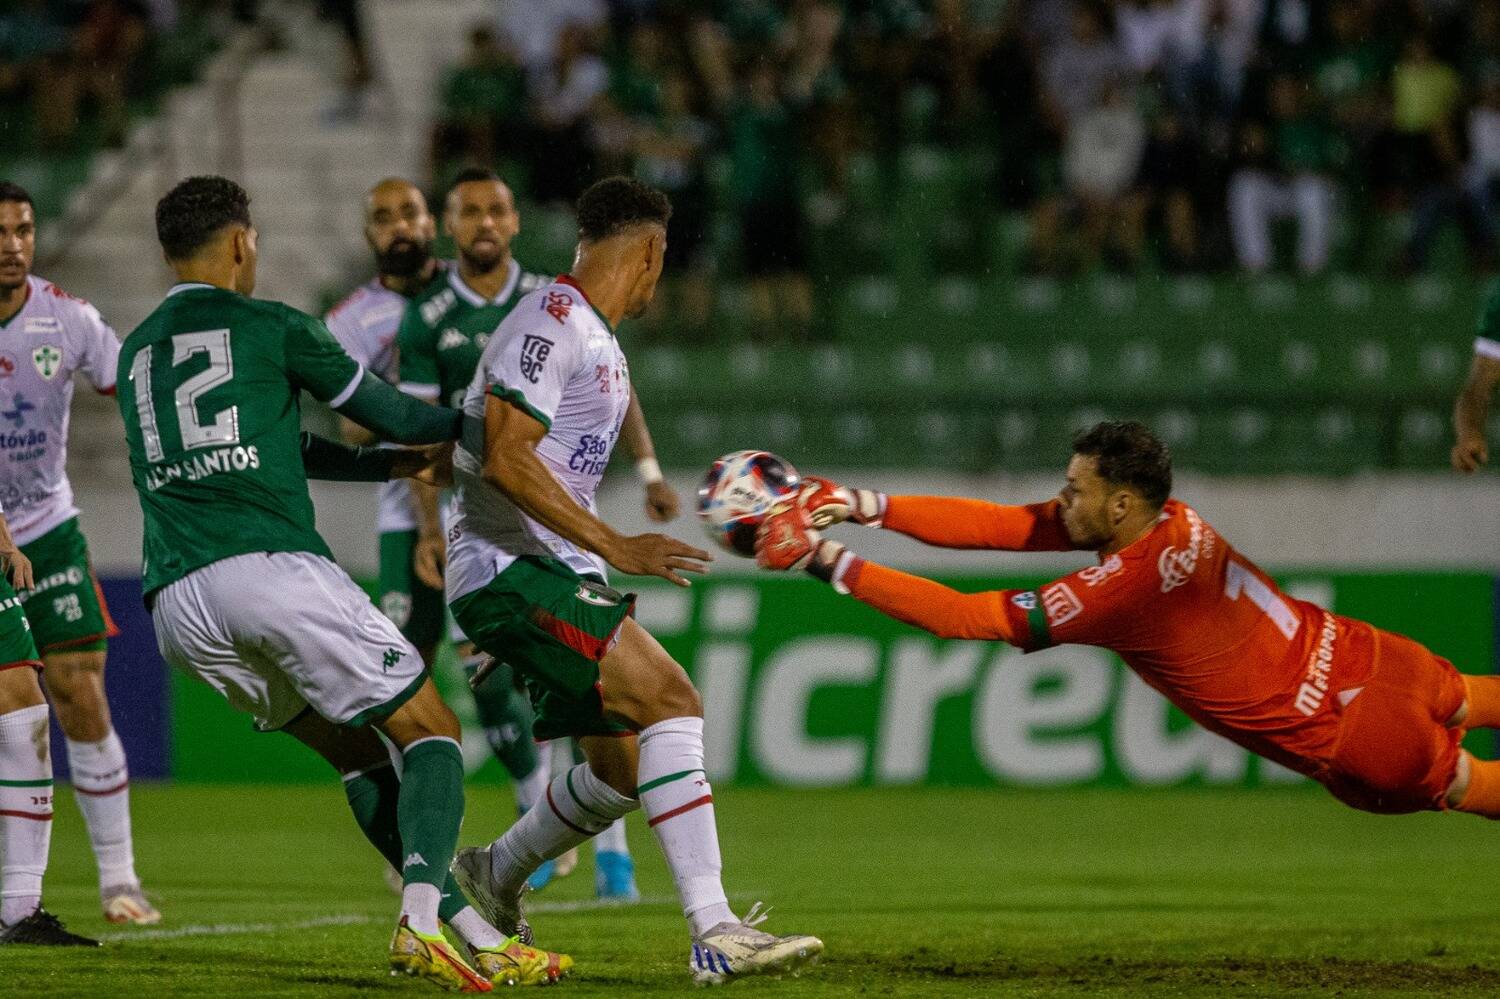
[1373,716]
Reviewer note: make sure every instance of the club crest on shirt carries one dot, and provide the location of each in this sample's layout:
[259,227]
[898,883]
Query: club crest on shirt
[48,360]
[534,351]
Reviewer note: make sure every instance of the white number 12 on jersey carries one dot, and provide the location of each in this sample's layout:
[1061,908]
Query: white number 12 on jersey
[223,428]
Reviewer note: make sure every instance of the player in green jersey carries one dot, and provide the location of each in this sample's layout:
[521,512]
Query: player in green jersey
[244,593]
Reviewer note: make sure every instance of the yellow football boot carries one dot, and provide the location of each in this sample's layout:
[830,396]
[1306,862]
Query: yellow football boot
[433,958]
[514,963]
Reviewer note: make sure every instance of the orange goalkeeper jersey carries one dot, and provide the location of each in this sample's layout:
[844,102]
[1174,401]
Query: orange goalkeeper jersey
[1198,621]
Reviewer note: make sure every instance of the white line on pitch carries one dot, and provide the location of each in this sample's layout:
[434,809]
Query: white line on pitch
[234,929]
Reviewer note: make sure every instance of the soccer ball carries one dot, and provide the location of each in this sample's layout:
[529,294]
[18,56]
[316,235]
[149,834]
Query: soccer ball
[738,492]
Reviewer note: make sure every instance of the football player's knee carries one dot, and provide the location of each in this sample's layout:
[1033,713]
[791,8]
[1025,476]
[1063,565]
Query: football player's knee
[19,689]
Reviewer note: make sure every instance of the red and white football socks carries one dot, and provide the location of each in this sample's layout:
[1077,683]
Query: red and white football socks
[576,806]
[678,803]
[101,786]
[25,810]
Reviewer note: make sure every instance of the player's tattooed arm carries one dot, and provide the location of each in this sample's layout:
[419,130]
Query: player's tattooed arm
[512,466]
[1471,413]
[13,561]
[662,503]
[396,416]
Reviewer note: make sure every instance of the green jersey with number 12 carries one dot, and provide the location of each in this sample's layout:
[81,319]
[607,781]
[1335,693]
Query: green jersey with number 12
[208,388]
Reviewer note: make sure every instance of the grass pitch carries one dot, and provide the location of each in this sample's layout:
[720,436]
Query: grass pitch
[271,891]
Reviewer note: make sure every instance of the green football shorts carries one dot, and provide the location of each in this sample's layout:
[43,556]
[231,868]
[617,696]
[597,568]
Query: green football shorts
[412,605]
[66,609]
[552,626]
[16,645]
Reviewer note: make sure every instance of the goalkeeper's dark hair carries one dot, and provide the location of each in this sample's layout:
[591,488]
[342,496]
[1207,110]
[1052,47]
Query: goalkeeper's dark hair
[191,214]
[1128,454]
[10,191]
[615,204]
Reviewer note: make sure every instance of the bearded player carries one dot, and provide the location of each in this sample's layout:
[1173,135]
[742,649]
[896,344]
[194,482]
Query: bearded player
[527,582]
[1374,717]
[442,337]
[400,231]
[244,593]
[46,337]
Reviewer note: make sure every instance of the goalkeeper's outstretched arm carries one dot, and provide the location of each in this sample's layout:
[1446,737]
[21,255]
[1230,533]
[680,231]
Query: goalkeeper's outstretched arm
[942,521]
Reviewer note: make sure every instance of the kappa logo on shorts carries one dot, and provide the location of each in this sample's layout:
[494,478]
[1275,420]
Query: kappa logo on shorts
[392,657]
[534,351]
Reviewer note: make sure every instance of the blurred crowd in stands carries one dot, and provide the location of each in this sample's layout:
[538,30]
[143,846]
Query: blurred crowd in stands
[1165,135]
[63,59]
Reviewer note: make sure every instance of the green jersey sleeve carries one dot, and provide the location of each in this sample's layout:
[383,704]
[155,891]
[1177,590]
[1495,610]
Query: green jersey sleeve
[416,348]
[317,362]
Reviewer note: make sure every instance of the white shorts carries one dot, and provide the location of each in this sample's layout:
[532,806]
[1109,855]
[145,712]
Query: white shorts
[279,632]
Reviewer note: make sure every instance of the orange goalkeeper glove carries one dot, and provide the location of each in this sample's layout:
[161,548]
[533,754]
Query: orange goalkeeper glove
[829,503]
[787,540]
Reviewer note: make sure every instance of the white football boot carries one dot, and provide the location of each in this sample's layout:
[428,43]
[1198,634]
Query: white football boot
[731,950]
[475,876]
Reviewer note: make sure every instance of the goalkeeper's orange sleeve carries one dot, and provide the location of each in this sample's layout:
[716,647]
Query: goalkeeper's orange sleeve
[951,522]
[933,607]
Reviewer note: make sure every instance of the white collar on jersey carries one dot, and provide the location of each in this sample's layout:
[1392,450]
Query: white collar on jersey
[186,286]
[473,297]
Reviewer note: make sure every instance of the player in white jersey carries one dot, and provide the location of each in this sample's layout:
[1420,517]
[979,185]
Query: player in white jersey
[400,231]
[527,569]
[46,337]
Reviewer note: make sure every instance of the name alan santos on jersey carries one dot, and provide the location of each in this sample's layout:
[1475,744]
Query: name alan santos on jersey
[201,466]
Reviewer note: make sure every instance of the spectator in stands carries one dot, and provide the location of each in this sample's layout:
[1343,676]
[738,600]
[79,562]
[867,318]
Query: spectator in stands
[765,156]
[1425,116]
[1080,69]
[1284,172]
[1483,175]
[1167,189]
[482,104]
[672,147]
[36,67]
[565,92]
[534,29]
[1101,158]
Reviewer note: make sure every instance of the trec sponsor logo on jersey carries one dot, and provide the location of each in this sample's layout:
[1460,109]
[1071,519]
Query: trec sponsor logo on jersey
[1177,566]
[201,466]
[41,324]
[1094,575]
[1315,686]
[534,351]
[1060,603]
